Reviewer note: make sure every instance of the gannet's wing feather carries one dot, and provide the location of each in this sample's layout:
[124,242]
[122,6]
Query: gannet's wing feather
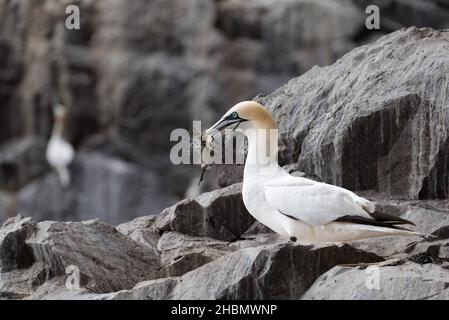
[389,218]
[313,202]
[373,222]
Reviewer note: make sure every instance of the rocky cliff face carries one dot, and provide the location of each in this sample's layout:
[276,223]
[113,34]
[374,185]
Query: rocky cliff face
[377,120]
[138,69]
[167,257]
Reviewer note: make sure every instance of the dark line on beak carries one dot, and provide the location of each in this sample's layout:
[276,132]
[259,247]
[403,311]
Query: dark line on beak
[237,125]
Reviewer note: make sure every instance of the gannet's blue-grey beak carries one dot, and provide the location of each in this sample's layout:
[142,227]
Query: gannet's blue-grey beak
[225,122]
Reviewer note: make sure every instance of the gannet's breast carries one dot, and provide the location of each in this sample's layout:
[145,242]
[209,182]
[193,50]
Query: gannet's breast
[59,152]
[258,207]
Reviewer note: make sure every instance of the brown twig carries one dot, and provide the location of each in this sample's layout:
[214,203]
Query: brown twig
[204,168]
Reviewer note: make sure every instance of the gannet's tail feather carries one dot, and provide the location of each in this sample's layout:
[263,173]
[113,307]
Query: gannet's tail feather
[64,176]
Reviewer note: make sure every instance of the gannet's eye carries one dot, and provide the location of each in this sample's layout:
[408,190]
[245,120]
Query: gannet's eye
[234,115]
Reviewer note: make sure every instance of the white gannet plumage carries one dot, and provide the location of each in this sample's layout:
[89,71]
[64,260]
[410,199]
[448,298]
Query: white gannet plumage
[59,151]
[295,207]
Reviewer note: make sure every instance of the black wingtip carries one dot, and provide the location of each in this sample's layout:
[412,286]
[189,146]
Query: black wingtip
[399,222]
[390,219]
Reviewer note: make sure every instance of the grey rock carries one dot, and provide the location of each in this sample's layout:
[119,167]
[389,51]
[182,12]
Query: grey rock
[7,206]
[436,252]
[443,295]
[174,241]
[157,289]
[55,289]
[257,240]
[21,283]
[229,174]
[19,273]
[219,214]
[14,252]
[106,257]
[409,281]
[45,199]
[355,123]
[280,28]
[189,260]
[257,228]
[276,271]
[404,13]
[103,187]
[141,230]
[181,254]
[266,272]
[434,249]
[21,161]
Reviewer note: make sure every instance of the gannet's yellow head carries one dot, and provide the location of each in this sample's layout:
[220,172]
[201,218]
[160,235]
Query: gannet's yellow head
[60,113]
[245,115]
[59,110]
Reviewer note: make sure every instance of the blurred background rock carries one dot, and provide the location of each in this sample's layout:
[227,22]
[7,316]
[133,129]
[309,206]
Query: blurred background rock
[138,69]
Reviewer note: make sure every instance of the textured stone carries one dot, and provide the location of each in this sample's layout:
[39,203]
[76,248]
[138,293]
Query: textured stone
[403,13]
[219,214]
[14,252]
[103,187]
[181,254]
[141,230]
[267,272]
[376,119]
[55,289]
[21,283]
[229,174]
[279,271]
[110,260]
[410,281]
[7,206]
[21,161]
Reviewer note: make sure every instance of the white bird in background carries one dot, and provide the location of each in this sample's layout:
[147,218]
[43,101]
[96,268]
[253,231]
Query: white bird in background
[60,152]
[294,207]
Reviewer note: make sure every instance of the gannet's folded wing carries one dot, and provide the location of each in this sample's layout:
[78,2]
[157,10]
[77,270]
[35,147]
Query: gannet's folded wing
[315,203]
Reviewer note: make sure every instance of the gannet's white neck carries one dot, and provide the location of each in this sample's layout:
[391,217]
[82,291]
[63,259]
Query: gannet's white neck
[262,147]
[58,127]
[262,152]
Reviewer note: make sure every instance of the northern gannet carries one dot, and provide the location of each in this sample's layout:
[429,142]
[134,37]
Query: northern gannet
[294,207]
[59,152]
